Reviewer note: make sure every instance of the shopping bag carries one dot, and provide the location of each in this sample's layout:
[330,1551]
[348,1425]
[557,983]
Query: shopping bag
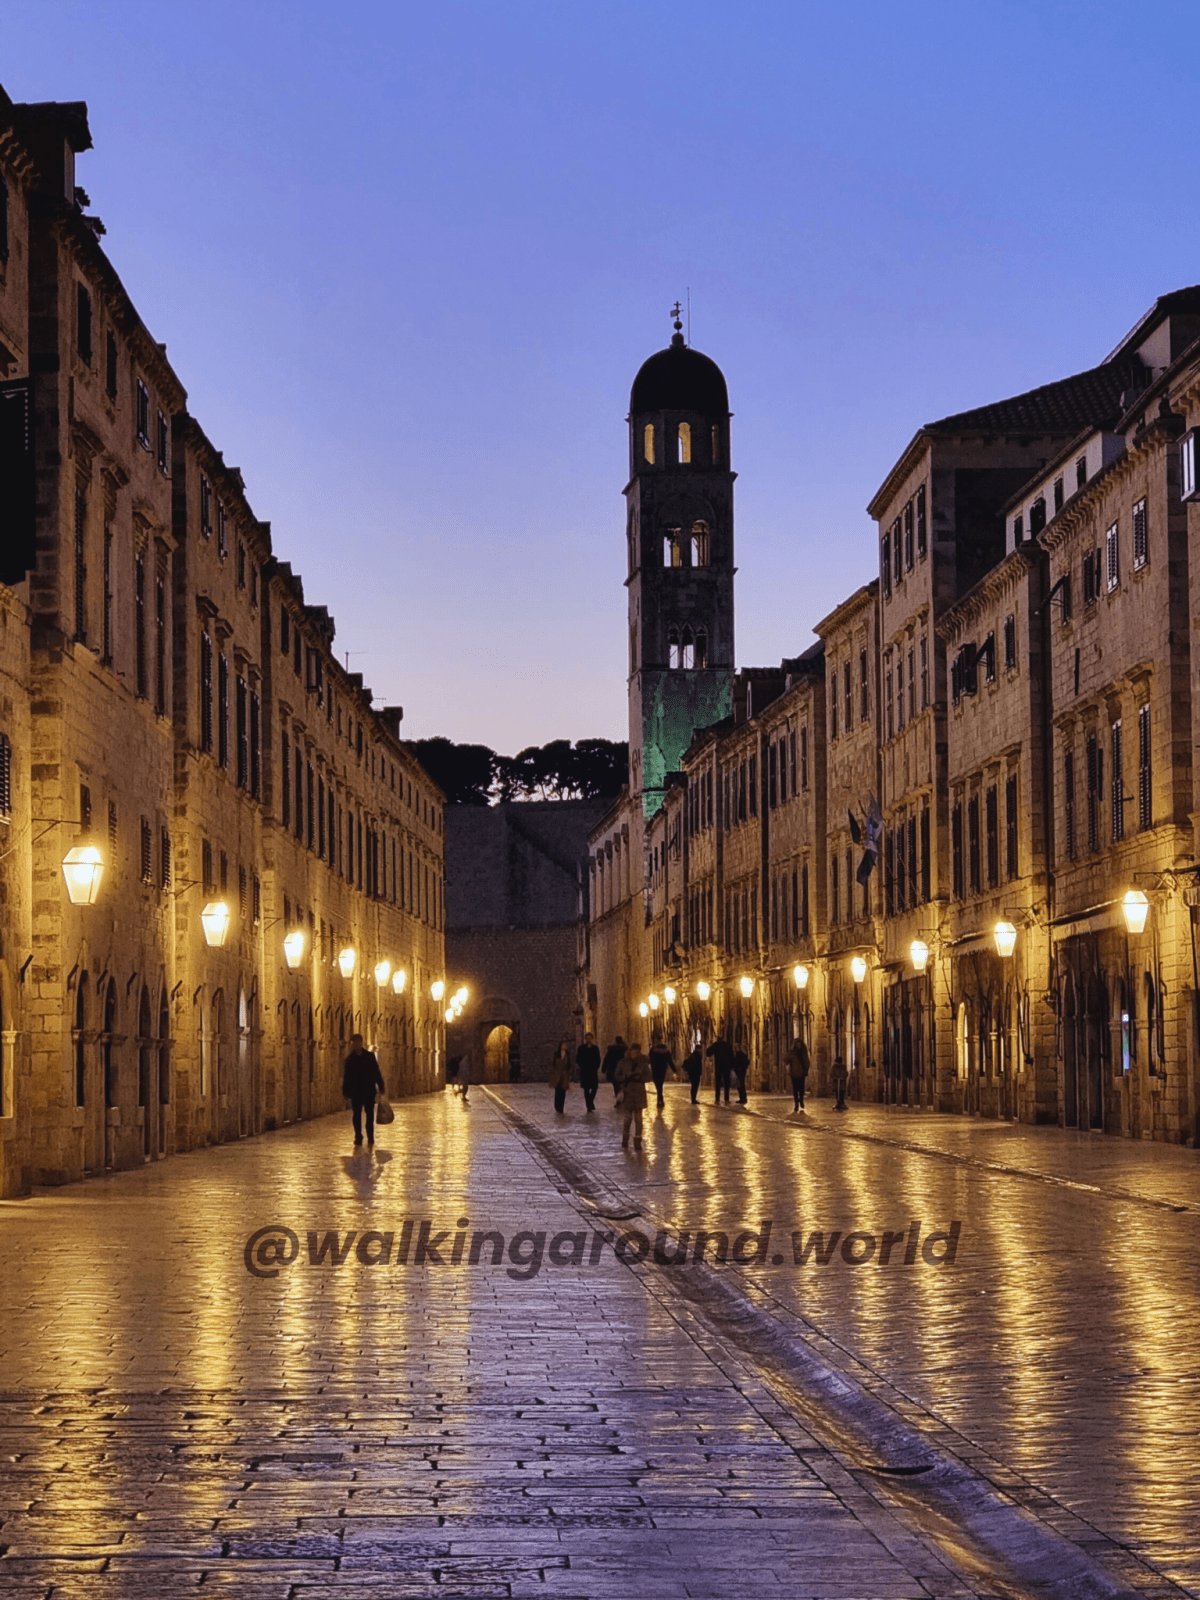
[383,1109]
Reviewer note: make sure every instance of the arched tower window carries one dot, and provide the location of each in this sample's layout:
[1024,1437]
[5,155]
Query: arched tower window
[687,649]
[700,544]
[685,443]
[701,648]
[716,445]
[648,443]
[673,648]
[673,547]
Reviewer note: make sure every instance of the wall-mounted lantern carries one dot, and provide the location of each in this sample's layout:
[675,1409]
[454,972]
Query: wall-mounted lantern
[215,920]
[83,867]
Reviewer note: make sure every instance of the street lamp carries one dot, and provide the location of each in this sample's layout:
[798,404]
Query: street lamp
[919,951]
[346,960]
[800,975]
[399,979]
[1005,936]
[703,990]
[293,948]
[643,1010]
[437,989]
[215,919]
[669,995]
[83,867]
[1136,908]
[383,971]
[654,1002]
[858,968]
[746,985]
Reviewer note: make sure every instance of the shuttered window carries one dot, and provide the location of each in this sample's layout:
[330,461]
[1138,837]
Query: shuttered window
[1095,762]
[1069,805]
[926,864]
[991,812]
[1112,556]
[1117,782]
[956,850]
[145,861]
[5,776]
[255,746]
[1010,826]
[80,567]
[922,533]
[1145,796]
[285,786]
[206,693]
[222,712]
[1141,541]
[973,857]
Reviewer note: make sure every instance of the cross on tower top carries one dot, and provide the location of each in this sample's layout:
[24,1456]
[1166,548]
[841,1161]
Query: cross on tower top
[676,312]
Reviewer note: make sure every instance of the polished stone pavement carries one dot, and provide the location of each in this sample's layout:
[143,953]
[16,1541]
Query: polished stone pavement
[172,1419]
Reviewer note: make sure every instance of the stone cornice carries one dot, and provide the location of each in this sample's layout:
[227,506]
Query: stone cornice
[1005,578]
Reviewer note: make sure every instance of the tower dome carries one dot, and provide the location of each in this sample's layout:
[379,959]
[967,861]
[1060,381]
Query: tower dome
[680,379]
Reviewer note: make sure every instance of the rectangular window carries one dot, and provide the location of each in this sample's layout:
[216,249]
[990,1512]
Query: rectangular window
[145,853]
[864,696]
[899,690]
[1117,781]
[242,714]
[139,603]
[833,703]
[255,745]
[912,860]
[85,809]
[222,711]
[106,619]
[922,535]
[912,683]
[753,786]
[973,858]
[834,871]
[804,758]
[1145,798]
[80,567]
[206,693]
[222,532]
[989,658]
[83,324]
[285,807]
[1058,494]
[1091,577]
[888,700]
[924,673]
[1018,527]
[160,643]
[897,553]
[1064,599]
[1069,805]
[885,564]
[1112,558]
[908,537]
[241,565]
[5,776]
[1141,544]
[205,507]
[310,821]
[206,866]
[143,415]
[1010,643]
[991,811]
[285,631]
[110,366]
[163,435]
[1037,517]
[298,791]
[164,859]
[1187,466]
[243,893]
[804,900]
[1080,472]
[847,714]
[889,873]
[1094,784]
[772,779]
[900,869]
[1010,826]
[926,863]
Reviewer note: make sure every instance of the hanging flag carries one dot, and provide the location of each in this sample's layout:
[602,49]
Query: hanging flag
[872,833]
[855,830]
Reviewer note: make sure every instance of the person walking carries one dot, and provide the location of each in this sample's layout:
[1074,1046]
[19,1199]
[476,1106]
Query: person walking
[361,1078]
[464,1075]
[798,1064]
[613,1056]
[693,1065]
[560,1076]
[661,1062]
[741,1066]
[721,1052]
[587,1059]
[838,1078]
[630,1078]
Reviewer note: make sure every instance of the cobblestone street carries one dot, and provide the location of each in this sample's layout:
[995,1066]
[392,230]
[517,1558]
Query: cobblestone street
[186,1406]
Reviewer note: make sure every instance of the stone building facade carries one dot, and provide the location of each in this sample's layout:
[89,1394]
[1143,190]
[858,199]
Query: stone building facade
[158,667]
[1017,691]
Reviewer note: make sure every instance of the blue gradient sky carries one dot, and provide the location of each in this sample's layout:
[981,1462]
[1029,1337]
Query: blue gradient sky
[407,259]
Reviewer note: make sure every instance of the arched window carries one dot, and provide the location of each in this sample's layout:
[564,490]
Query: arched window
[673,648]
[687,649]
[217,1026]
[962,1041]
[716,445]
[685,444]
[673,547]
[700,544]
[648,443]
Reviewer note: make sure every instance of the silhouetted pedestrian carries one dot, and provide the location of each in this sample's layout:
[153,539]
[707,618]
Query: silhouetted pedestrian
[361,1078]
[560,1075]
[587,1059]
[630,1080]
[838,1078]
[613,1056]
[693,1065]
[661,1062]
[798,1064]
[741,1066]
[721,1052]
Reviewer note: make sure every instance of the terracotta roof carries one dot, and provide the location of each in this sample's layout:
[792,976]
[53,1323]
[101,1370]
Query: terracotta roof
[1089,399]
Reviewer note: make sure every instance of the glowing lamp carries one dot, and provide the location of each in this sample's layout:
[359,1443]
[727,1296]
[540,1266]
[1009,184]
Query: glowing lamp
[1136,908]
[460,996]
[383,972]
[438,989]
[643,1010]
[654,1002]
[702,990]
[858,968]
[293,948]
[215,919]
[746,985]
[346,960]
[399,979]
[800,974]
[82,868]
[1005,936]
[919,951]
[449,1016]
[669,995]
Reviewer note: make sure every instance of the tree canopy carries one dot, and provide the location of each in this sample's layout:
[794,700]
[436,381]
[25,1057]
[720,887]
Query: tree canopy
[474,775]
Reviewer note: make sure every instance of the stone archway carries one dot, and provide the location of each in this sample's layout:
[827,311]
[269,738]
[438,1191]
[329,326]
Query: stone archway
[496,1047]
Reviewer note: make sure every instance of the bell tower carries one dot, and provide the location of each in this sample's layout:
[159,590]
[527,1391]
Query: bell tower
[679,527]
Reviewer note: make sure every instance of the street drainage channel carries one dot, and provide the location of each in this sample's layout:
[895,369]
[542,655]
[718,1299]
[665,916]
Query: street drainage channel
[1001,1548]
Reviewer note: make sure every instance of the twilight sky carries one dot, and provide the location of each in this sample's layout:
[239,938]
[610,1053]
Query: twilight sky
[407,259]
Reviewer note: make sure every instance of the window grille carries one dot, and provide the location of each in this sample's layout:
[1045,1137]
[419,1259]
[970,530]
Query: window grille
[145,862]
[1112,557]
[1117,782]
[1141,546]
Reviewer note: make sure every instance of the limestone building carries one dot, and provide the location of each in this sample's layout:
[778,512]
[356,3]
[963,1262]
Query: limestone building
[1017,691]
[187,777]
